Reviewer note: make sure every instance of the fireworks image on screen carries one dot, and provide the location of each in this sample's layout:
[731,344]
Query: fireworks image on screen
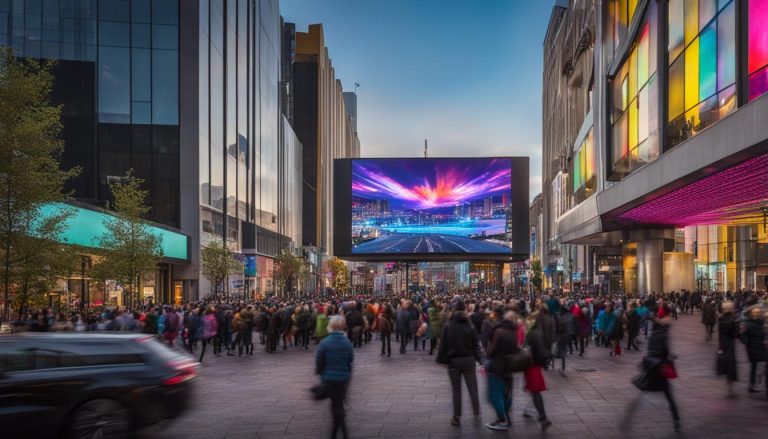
[431,205]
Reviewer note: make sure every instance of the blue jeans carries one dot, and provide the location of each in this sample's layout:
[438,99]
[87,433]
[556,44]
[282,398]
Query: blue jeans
[500,395]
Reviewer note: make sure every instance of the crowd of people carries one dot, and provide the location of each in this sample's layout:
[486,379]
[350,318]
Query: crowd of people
[503,334]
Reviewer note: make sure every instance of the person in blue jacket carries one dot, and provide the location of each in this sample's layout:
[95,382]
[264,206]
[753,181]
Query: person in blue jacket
[333,362]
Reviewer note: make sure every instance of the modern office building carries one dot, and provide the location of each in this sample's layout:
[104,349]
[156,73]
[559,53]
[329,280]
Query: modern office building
[185,93]
[350,104]
[323,126]
[676,142]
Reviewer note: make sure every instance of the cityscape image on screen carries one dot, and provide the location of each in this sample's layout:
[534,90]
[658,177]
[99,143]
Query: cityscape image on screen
[438,205]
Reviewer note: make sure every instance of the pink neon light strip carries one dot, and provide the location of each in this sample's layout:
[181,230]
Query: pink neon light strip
[717,199]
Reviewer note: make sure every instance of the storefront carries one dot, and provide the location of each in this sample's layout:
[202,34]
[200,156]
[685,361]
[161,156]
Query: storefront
[83,230]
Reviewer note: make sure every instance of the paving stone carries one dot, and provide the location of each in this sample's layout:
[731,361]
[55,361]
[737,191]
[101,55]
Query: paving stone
[409,396]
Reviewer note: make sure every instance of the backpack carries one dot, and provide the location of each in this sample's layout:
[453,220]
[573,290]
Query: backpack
[210,326]
[171,322]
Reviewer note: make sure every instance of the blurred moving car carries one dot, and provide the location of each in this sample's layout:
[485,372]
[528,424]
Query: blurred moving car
[89,385]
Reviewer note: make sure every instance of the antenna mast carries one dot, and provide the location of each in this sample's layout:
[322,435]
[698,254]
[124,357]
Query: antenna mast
[425,148]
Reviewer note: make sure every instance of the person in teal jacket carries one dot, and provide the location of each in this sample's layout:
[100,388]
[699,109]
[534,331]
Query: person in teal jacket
[333,362]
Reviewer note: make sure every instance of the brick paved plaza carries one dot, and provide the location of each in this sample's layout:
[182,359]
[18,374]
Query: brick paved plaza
[408,396]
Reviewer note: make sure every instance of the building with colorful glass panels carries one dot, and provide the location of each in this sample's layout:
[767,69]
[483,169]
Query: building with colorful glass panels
[666,176]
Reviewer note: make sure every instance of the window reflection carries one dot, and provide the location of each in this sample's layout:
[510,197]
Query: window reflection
[114,85]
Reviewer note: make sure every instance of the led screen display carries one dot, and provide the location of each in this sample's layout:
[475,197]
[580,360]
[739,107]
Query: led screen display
[431,206]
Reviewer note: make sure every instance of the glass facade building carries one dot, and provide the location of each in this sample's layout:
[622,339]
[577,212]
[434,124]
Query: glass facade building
[187,94]
[117,80]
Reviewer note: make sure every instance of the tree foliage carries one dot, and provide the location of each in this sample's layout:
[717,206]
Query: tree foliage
[41,260]
[30,177]
[336,271]
[287,268]
[130,248]
[216,263]
[536,278]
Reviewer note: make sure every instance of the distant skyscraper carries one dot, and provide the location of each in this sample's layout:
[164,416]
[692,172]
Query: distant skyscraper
[323,126]
[350,104]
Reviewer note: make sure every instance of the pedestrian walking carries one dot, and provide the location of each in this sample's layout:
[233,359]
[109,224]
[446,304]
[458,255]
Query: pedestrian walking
[565,331]
[209,329]
[658,366]
[502,342]
[534,378]
[727,334]
[753,336]
[460,350]
[403,325]
[383,325]
[633,327]
[709,317]
[436,321]
[333,362]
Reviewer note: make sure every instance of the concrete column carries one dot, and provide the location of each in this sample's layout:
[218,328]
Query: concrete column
[650,264]
[650,258]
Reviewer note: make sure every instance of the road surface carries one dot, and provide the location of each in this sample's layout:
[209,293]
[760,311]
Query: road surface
[428,243]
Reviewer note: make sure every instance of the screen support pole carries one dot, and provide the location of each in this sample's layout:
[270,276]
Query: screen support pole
[407,279]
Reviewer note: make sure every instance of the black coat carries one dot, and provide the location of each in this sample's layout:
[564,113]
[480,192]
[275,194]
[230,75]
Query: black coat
[658,354]
[753,337]
[460,344]
[727,333]
[708,314]
[477,318]
[502,342]
[354,319]
[403,321]
[540,352]
[633,323]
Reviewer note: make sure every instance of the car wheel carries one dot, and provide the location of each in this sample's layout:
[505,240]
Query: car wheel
[100,418]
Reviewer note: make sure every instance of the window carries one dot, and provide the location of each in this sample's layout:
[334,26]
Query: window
[620,14]
[114,85]
[584,169]
[165,37]
[115,10]
[702,66]
[165,87]
[635,104]
[757,58]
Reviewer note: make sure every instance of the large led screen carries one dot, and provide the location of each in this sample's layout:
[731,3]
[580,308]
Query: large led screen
[431,206]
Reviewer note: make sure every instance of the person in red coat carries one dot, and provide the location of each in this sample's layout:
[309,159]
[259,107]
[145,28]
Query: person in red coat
[534,378]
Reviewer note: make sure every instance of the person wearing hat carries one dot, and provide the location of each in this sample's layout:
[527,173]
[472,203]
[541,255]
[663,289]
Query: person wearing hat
[460,350]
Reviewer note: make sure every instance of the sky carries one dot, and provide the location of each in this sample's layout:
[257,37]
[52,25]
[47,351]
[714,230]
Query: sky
[466,75]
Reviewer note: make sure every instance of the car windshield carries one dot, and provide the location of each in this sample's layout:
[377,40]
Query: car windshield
[164,352]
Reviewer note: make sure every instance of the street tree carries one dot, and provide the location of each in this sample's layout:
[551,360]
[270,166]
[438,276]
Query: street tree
[43,260]
[216,263]
[337,272]
[536,278]
[130,248]
[30,175]
[287,268]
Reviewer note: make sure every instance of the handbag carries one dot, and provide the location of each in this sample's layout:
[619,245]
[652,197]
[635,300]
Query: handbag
[667,370]
[641,381]
[442,356]
[517,362]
